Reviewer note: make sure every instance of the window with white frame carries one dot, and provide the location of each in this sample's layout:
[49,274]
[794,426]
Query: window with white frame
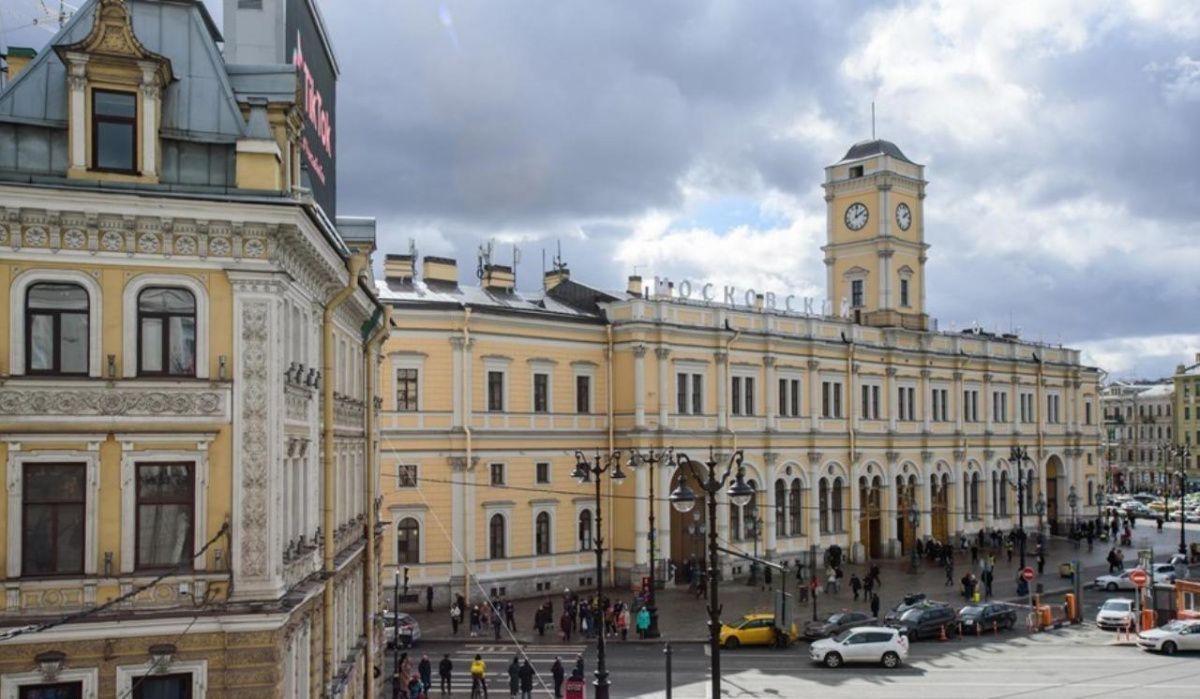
[1000,406]
[870,401]
[53,518]
[69,683]
[789,396]
[496,473]
[742,395]
[831,399]
[585,530]
[406,389]
[906,403]
[1052,405]
[689,393]
[406,476]
[971,405]
[497,536]
[940,404]
[541,392]
[543,534]
[181,679]
[166,500]
[1026,404]
[541,472]
[495,390]
[583,394]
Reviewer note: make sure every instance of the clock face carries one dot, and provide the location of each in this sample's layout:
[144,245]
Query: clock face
[856,216]
[903,216]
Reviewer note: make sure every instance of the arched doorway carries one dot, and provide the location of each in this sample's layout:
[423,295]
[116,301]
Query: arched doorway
[940,515]
[906,496]
[870,529]
[1054,471]
[688,542]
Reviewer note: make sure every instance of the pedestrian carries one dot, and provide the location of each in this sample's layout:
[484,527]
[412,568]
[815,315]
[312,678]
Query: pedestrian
[425,670]
[475,620]
[514,677]
[623,622]
[874,605]
[643,622]
[496,623]
[557,672]
[564,626]
[1041,562]
[855,585]
[445,669]
[510,615]
[1008,548]
[579,664]
[974,554]
[526,675]
[479,675]
[455,617]
[429,598]
[987,584]
[949,574]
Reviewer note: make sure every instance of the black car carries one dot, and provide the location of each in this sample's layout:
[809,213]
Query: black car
[987,616]
[909,601]
[836,623]
[926,620]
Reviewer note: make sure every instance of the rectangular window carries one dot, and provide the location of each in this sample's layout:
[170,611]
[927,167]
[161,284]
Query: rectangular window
[690,398]
[542,472]
[748,383]
[789,397]
[903,292]
[163,687]
[406,476]
[999,406]
[971,405]
[541,393]
[940,399]
[795,398]
[737,395]
[856,293]
[114,131]
[406,390]
[52,519]
[831,399]
[583,394]
[495,388]
[697,394]
[165,515]
[497,473]
[58,690]
[682,403]
[870,402]
[906,408]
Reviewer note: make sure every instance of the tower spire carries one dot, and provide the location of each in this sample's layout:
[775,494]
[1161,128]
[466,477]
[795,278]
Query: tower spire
[872,120]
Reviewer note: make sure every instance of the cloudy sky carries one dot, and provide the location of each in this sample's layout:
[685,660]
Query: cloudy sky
[687,138]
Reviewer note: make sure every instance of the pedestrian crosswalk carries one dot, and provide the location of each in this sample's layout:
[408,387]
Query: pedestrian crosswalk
[498,657]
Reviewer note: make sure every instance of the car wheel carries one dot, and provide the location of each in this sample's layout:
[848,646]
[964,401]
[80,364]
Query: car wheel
[732,643]
[1169,648]
[890,660]
[833,660]
[1111,587]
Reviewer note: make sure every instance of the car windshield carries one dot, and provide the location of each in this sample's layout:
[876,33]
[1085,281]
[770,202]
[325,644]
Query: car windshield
[911,615]
[1116,605]
[835,618]
[841,637]
[1176,626]
[968,611]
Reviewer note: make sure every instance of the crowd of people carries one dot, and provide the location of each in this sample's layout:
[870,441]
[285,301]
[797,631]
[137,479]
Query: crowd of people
[581,617]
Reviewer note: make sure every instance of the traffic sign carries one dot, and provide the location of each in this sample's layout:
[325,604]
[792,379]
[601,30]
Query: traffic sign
[1027,574]
[1138,577]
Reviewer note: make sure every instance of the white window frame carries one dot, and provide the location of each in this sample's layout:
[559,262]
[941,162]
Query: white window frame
[691,368]
[748,408]
[501,364]
[856,274]
[870,384]
[836,399]
[16,316]
[581,505]
[504,509]
[540,366]
[902,412]
[1053,407]
[940,400]
[408,360]
[130,327]
[905,276]
[401,512]
[198,457]
[504,468]
[17,458]
[127,675]
[787,377]
[12,682]
[551,509]
[549,472]
[970,409]
[588,369]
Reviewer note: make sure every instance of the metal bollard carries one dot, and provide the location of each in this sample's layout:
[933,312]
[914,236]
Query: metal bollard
[667,652]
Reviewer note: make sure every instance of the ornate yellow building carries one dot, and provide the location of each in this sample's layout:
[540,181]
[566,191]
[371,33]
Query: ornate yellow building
[187,357]
[848,412]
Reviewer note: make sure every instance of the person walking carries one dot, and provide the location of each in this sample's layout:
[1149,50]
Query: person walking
[425,670]
[496,623]
[429,598]
[557,672]
[475,620]
[510,615]
[455,617]
[643,622]
[623,622]
[579,664]
[1041,562]
[564,626]
[479,677]
[949,574]
[526,675]
[514,677]
[855,585]
[445,669]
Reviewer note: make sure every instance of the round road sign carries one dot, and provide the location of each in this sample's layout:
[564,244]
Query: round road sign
[1027,574]
[1138,577]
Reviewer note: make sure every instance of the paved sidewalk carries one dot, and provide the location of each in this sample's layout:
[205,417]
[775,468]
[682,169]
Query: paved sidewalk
[683,618]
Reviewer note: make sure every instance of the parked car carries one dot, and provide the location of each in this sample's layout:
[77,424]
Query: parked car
[1115,613]
[1137,510]
[1177,635]
[909,601]
[757,629]
[836,623]
[863,644]
[1114,582]
[987,616]
[926,620]
[410,630]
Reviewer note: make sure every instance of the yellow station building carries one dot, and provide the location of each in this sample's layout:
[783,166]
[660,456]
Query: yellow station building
[850,413]
[186,364]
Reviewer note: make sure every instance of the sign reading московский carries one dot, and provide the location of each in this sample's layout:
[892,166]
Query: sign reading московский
[688,290]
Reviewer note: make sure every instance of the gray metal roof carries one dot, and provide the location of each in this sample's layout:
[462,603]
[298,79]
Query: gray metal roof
[274,83]
[199,106]
[867,149]
[356,229]
[419,293]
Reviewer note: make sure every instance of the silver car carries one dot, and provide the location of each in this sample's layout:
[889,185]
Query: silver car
[409,629]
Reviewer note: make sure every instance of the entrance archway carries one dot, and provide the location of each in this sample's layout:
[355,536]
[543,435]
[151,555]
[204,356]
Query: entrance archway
[1054,470]
[688,529]
[940,515]
[906,494]
[870,494]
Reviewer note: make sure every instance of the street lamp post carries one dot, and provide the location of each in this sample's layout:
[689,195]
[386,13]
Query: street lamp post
[753,529]
[590,472]
[1183,452]
[683,499]
[1018,456]
[914,517]
[652,459]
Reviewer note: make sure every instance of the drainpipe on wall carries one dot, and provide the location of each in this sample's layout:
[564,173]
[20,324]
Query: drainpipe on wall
[354,266]
[612,563]
[371,373]
[466,413]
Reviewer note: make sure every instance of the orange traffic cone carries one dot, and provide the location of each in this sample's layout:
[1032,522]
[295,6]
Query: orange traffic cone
[943,636]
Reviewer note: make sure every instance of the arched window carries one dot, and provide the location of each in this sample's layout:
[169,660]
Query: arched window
[780,508]
[496,548]
[166,332]
[823,504]
[1091,493]
[541,534]
[995,493]
[57,336]
[795,510]
[974,504]
[408,541]
[839,524]
[585,530]
[1004,494]
[1029,485]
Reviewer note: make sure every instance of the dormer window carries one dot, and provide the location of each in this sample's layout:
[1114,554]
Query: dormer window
[856,171]
[114,131]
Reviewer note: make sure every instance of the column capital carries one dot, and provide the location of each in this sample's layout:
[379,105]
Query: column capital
[769,360]
[989,454]
[926,457]
[457,342]
[855,368]
[892,457]
[958,375]
[458,464]
[813,365]
[639,351]
[891,371]
[987,378]
[856,457]
[960,455]
[662,352]
[770,458]
[721,357]
[814,458]
[925,373]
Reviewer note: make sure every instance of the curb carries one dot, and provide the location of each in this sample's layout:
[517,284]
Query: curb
[466,640]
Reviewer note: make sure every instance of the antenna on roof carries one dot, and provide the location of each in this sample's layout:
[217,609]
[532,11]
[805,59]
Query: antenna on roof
[516,252]
[872,121]
[412,248]
[484,258]
[558,263]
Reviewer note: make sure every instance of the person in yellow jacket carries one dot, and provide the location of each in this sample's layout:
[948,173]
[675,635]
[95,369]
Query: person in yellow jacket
[478,677]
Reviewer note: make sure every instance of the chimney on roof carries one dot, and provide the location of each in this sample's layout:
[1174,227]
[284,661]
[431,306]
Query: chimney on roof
[556,276]
[439,270]
[1198,357]
[499,278]
[399,269]
[17,58]
[635,285]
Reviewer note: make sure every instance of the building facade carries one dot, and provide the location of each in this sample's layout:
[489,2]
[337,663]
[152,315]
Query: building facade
[1187,410]
[850,414]
[1139,423]
[186,372]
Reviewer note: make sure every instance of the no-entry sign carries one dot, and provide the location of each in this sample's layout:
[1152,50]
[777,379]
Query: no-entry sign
[1027,574]
[1138,577]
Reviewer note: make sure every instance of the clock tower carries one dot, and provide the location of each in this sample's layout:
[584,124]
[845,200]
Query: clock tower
[875,236]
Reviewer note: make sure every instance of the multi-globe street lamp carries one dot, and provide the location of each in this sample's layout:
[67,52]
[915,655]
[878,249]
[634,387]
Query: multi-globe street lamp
[1183,452]
[651,459]
[914,518]
[1018,456]
[586,472]
[683,499]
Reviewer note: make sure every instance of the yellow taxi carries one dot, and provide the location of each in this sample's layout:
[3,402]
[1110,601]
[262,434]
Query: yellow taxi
[757,629]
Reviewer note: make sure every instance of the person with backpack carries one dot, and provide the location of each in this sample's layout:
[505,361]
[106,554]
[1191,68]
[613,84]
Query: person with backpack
[445,669]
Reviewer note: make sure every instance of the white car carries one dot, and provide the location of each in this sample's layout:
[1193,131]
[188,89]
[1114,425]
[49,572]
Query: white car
[1177,635]
[861,644]
[1164,574]
[410,630]
[1116,613]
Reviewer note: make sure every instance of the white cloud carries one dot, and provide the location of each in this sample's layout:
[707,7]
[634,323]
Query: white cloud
[1140,357]
[1180,79]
